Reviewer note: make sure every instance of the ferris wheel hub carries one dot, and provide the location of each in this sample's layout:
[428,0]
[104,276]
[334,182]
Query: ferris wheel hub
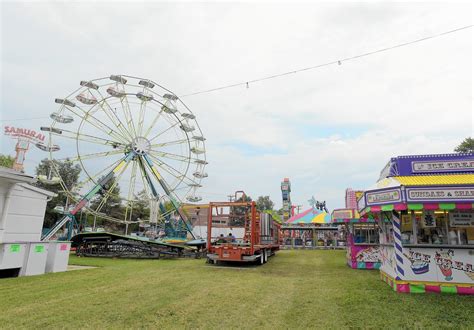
[141,145]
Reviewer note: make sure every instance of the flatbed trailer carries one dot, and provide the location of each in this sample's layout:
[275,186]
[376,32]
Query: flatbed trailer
[261,234]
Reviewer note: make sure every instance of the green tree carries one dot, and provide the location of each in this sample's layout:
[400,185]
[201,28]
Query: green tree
[237,217]
[140,208]
[466,146]
[6,161]
[108,200]
[70,176]
[264,203]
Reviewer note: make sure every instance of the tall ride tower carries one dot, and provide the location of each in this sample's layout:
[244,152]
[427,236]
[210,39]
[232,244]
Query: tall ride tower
[285,192]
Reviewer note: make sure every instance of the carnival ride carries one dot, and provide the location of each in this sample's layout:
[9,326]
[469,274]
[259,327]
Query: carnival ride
[131,137]
[311,228]
[261,238]
[286,198]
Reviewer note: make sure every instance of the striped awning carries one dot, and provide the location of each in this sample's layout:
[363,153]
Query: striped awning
[418,207]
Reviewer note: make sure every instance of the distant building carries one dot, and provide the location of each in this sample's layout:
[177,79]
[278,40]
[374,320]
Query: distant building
[198,215]
[351,198]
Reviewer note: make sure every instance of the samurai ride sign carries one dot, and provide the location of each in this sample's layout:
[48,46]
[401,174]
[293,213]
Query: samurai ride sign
[24,133]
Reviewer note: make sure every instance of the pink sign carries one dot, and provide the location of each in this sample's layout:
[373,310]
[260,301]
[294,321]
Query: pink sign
[63,247]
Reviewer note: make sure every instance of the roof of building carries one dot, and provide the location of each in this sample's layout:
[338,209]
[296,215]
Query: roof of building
[38,190]
[432,180]
[13,176]
[424,180]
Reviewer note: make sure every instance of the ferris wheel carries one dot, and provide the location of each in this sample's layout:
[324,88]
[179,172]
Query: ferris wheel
[132,139]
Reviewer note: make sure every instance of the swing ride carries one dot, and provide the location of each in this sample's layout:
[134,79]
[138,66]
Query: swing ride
[131,137]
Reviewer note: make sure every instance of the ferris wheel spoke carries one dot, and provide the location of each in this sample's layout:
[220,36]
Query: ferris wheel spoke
[131,190]
[154,121]
[172,156]
[98,174]
[163,132]
[178,175]
[114,118]
[85,137]
[170,143]
[93,155]
[112,187]
[128,116]
[97,124]
[141,117]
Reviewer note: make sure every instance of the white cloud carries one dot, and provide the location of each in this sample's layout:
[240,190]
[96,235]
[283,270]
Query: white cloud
[416,99]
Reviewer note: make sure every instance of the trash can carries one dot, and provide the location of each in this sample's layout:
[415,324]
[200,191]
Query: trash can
[35,259]
[58,256]
[12,255]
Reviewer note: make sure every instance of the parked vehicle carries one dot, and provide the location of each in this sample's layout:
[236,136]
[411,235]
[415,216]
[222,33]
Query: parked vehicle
[261,234]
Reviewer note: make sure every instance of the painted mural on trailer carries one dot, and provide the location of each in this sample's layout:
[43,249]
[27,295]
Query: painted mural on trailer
[366,253]
[432,265]
[362,253]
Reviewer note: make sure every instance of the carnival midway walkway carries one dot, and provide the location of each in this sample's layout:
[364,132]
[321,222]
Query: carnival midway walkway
[295,289]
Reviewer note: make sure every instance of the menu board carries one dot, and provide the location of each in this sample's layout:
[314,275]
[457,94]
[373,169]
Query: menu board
[461,218]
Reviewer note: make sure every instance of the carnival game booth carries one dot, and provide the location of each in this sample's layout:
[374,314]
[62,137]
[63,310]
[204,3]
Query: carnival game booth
[309,229]
[362,239]
[424,207]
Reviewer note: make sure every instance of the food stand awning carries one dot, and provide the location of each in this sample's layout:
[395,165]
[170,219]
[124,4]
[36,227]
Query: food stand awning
[393,194]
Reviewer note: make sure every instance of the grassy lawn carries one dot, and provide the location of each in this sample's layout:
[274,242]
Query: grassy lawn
[296,289]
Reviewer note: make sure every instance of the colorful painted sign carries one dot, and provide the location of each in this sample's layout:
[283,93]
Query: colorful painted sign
[386,196]
[440,194]
[420,263]
[443,166]
[431,264]
[343,214]
[366,253]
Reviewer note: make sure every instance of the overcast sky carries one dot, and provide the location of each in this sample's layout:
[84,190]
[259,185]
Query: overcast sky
[326,129]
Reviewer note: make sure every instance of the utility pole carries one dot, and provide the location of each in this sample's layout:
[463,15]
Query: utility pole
[298,207]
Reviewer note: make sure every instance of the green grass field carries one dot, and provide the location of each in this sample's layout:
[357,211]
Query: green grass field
[295,289]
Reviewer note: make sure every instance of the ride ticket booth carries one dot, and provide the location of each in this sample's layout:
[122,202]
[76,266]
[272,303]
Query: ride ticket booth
[424,208]
[362,239]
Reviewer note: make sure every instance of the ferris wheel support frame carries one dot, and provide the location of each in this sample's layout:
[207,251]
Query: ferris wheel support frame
[173,200]
[70,217]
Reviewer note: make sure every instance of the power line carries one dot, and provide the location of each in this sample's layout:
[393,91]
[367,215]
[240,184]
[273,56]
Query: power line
[339,62]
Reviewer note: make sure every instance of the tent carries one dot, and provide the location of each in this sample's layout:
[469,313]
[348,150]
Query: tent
[310,216]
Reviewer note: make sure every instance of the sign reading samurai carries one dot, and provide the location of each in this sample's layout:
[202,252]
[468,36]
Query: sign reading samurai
[23,136]
[24,133]
[443,166]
